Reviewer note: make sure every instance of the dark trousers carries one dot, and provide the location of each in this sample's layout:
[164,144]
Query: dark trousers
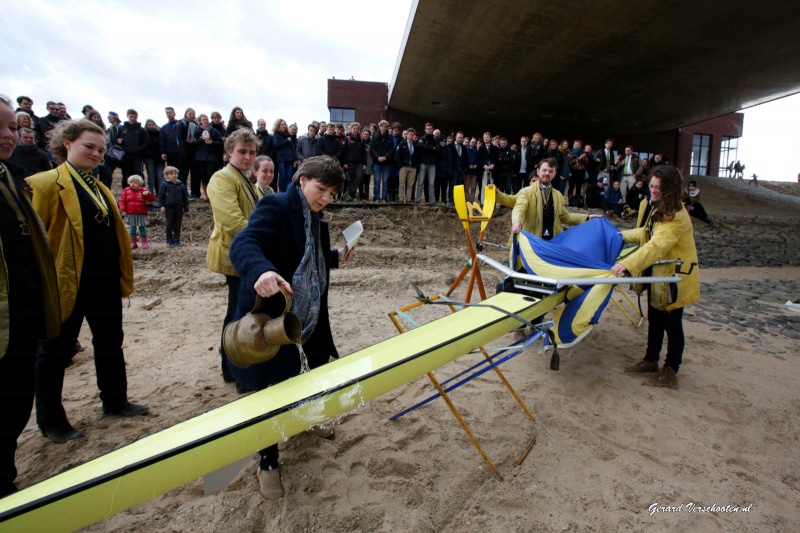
[518,182]
[457,178]
[111,166]
[670,322]
[104,174]
[575,182]
[132,164]
[363,191]
[233,282]
[103,312]
[393,186]
[503,181]
[174,216]
[354,174]
[16,398]
[285,365]
[285,172]
[185,168]
[205,170]
[440,187]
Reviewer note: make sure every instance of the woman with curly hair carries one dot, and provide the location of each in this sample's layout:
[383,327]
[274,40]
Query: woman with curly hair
[664,232]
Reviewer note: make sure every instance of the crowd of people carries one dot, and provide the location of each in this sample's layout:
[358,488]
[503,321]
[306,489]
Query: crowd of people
[382,162]
[73,241]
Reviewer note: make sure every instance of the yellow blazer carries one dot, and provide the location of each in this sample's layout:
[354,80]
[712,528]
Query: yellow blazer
[529,212]
[56,202]
[672,239]
[47,273]
[232,205]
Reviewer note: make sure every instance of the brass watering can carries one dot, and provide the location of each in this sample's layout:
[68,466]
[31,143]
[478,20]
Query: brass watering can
[257,337]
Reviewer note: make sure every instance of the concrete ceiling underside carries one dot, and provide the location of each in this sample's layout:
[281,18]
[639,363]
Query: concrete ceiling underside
[604,66]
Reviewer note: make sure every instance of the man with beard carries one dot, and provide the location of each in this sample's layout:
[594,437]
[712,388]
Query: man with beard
[540,210]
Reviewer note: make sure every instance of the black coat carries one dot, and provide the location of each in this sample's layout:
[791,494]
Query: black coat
[135,139]
[267,145]
[460,163]
[529,157]
[428,148]
[382,146]
[30,159]
[488,154]
[332,146]
[155,144]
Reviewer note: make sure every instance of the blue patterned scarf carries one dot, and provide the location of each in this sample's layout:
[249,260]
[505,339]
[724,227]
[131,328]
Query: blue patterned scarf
[309,282]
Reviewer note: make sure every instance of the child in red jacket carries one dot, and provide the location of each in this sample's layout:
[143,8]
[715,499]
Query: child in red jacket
[133,206]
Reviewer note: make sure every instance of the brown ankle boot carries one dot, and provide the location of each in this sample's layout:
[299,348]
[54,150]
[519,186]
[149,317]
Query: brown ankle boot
[666,378]
[269,483]
[642,367]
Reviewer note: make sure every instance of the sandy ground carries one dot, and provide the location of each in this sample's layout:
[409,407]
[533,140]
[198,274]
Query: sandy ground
[607,448]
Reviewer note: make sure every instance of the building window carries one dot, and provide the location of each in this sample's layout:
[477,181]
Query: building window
[699,163]
[343,115]
[728,151]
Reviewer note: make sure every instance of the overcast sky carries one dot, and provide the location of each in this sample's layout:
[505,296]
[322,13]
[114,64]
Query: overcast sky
[273,59]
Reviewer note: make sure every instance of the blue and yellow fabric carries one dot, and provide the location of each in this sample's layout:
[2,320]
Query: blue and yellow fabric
[585,251]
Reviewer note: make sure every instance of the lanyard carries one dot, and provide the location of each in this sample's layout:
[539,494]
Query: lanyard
[94,193]
[12,198]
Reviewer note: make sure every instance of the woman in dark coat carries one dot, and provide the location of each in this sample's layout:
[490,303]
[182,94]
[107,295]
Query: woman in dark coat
[152,161]
[284,153]
[286,245]
[208,153]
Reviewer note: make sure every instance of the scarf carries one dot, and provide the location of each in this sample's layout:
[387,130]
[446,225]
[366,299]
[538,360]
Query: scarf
[309,281]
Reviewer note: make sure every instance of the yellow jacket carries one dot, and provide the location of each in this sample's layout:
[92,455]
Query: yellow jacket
[56,202]
[232,204]
[671,239]
[507,200]
[47,272]
[529,212]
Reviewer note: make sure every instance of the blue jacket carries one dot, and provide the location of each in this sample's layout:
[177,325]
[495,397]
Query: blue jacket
[173,195]
[284,149]
[403,156]
[208,152]
[169,139]
[444,167]
[473,158]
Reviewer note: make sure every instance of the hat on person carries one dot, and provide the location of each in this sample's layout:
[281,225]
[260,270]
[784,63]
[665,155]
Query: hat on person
[693,182]
[113,114]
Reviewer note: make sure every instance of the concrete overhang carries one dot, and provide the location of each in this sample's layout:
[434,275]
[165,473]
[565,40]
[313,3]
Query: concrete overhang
[603,67]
